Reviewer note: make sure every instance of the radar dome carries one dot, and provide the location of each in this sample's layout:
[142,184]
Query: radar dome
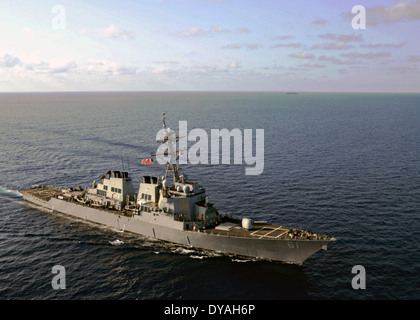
[247,224]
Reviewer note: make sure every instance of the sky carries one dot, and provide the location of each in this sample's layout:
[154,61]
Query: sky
[209,45]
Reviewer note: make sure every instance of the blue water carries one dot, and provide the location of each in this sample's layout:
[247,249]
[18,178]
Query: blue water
[343,164]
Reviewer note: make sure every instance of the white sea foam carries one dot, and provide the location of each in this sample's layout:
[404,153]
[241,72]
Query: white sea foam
[11,192]
[116,242]
[240,260]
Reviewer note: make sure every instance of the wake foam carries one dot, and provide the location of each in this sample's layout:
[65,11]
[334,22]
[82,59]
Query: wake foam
[7,191]
[116,242]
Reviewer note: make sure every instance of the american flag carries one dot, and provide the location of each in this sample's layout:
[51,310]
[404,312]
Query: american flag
[147,162]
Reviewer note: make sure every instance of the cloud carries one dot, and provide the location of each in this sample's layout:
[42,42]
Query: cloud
[197,31]
[403,69]
[64,68]
[108,67]
[350,37]
[342,41]
[287,45]
[188,71]
[126,70]
[235,65]
[111,32]
[369,55]
[61,66]
[8,61]
[37,67]
[167,62]
[413,59]
[342,37]
[55,67]
[329,36]
[314,65]
[319,21]
[301,55]
[339,45]
[249,46]
[354,57]
[335,60]
[161,70]
[403,10]
[383,45]
[283,37]
[242,30]
[217,29]
[28,31]
[193,31]
[203,69]
[274,68]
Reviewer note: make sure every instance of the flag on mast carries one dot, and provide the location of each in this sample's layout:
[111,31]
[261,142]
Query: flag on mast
[147,162]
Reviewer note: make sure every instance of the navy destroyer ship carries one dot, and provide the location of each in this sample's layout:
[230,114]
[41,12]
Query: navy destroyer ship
[176,210]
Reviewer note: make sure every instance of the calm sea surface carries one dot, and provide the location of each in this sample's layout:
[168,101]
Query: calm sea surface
[343,164]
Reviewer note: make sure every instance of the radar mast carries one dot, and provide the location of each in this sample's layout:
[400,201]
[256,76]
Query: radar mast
[170,140]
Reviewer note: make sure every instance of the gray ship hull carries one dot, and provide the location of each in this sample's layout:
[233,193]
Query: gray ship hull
[161,227]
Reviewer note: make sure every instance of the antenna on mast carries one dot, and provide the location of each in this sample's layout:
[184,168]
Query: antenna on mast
[163,119]
[170,139]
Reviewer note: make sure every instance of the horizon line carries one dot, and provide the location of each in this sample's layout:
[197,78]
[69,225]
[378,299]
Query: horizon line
[200,91]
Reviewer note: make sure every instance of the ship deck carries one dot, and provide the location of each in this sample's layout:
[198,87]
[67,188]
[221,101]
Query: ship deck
[229,227]
[43,193]
[263,230]
[260,230]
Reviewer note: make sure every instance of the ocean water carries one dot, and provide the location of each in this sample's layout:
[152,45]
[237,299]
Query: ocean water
[347,165]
